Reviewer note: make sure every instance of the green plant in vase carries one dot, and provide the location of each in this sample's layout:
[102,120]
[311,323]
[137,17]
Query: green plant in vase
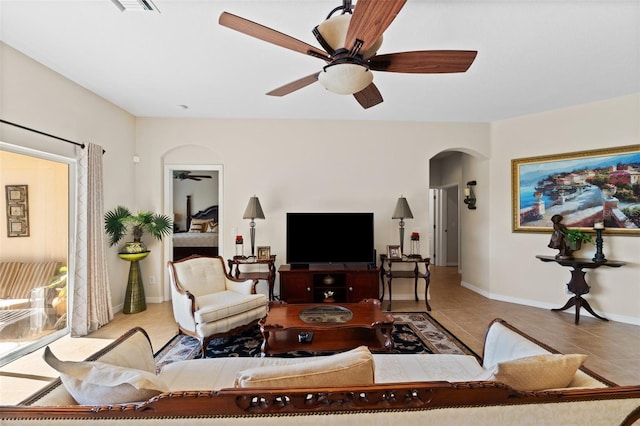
[576,238]
[118,221]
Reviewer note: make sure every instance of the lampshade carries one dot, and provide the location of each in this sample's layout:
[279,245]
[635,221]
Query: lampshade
[402,210]
[345,78]
[254,209]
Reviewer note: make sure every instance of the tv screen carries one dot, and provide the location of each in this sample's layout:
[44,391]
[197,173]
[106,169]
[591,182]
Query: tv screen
[330,238]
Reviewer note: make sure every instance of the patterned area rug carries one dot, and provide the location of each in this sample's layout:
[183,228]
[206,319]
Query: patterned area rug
[414,332]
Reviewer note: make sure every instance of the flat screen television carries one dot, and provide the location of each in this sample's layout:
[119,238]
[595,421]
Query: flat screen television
[317,238]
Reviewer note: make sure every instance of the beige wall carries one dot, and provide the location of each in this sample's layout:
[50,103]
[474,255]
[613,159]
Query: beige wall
[294,166]
[516,275]
[47,192]
[34,96]
[337,166]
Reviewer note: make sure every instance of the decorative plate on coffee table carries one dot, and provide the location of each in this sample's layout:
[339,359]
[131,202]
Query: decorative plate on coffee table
[326,314]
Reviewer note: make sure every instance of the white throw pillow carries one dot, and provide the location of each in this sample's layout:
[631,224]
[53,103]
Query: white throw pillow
[199,225]
[354,367]
[538,372]
[97,383]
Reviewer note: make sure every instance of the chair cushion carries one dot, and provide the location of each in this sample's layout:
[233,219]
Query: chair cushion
[30,276]
[354,367]
[94,382]
[225,304]
[8,274]
[538,372]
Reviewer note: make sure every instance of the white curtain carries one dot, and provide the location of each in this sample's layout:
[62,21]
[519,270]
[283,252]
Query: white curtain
[91,294]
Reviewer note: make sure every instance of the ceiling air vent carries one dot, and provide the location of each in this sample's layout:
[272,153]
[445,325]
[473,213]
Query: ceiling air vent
[136,5]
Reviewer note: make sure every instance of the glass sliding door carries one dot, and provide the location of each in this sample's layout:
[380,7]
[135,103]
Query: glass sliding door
[36,238]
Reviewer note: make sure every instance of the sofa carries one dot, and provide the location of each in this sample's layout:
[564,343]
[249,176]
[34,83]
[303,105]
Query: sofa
[354,387]
[24,296]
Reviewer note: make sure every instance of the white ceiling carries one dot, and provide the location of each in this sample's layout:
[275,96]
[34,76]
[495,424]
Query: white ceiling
[534,55]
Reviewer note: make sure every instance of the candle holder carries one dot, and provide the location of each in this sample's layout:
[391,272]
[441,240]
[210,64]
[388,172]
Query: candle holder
[599,256]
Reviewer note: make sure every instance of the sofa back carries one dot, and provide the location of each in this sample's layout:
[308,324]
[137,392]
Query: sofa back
[8,274]
[506,343]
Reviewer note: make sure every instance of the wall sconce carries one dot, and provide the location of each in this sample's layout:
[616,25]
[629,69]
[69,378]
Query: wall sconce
[253,211]
[401,212]
[469,195]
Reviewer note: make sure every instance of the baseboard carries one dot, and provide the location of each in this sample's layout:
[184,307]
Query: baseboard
[544,305]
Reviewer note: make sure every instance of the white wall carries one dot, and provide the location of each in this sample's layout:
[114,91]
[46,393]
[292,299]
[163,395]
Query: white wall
[515,274]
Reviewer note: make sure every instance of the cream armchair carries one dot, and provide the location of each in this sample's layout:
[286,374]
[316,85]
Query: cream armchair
[208,302]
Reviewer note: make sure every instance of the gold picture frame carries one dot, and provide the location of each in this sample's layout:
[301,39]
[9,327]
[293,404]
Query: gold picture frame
[17,197]
[394,252]
[264,252]
[584,187]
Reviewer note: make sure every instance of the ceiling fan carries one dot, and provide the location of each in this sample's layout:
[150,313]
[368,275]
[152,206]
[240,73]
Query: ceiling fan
[350,41]
[187,175]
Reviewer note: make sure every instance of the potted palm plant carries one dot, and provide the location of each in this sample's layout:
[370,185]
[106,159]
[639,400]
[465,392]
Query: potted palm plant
[118,221]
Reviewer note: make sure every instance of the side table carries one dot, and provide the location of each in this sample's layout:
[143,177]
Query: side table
[134,299]
[388,273]
[269,275]
[578,285]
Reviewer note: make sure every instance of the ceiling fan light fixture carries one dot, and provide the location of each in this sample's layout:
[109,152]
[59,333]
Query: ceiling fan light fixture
[345,78]
[135,5]
[334,32]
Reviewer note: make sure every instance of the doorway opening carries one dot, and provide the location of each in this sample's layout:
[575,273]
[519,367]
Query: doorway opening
[193,198]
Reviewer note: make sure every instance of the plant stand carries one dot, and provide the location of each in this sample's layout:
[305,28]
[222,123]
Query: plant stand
[134,300]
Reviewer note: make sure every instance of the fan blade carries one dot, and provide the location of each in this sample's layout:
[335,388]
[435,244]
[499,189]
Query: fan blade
[269,35]
[369,96]
[369,20]
[294,85]
[424,61]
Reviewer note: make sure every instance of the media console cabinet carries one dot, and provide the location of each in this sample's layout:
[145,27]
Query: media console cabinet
[349,283]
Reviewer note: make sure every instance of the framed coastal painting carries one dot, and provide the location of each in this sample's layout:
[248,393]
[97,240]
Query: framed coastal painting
[584,187]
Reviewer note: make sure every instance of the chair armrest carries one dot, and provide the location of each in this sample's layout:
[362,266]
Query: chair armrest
[242,287]
[184,305]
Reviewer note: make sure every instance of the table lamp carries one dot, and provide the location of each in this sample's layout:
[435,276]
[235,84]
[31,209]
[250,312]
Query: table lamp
[401,212]
[253,211]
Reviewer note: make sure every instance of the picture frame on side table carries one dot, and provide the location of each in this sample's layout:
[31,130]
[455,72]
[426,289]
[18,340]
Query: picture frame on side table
[17,197]
[264,252]
[394,252]
[583,187]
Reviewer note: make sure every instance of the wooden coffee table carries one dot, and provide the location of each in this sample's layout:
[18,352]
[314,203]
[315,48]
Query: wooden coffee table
[335,327]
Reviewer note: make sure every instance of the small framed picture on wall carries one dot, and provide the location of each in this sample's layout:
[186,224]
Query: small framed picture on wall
[17,210]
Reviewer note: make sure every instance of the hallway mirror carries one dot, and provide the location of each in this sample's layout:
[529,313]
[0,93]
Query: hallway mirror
[36,269]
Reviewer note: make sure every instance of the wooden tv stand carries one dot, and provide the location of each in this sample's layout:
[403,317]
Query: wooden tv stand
[349,283]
